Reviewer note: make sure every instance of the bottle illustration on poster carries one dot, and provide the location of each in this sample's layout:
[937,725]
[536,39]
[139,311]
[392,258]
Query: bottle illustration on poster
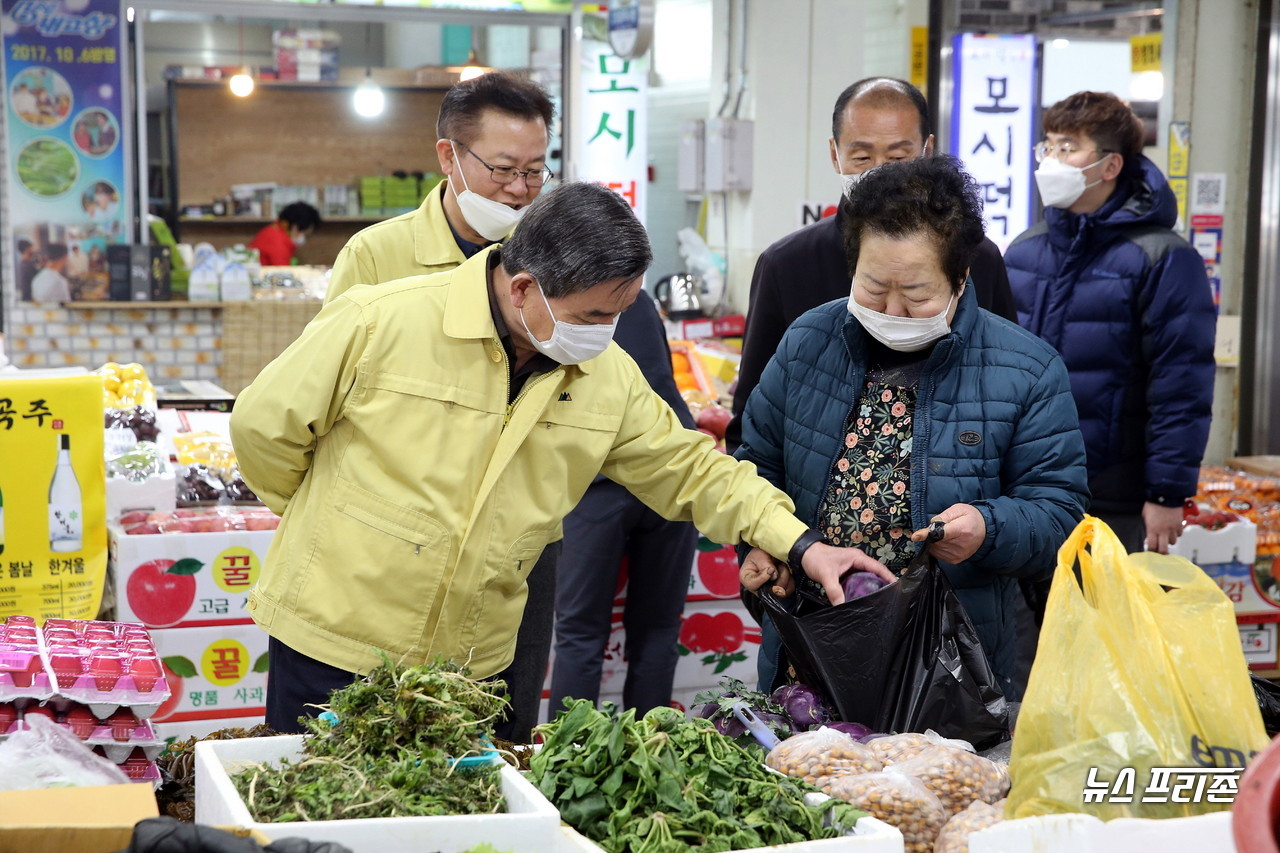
[66,515]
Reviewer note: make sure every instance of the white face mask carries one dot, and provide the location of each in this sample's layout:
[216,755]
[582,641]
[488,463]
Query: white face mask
[1062,184]
[491,219]
[570,343]
[904,334]
[298,238]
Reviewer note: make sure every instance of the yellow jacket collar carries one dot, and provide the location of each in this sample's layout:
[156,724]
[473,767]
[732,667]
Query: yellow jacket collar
[466,311]
[433,242]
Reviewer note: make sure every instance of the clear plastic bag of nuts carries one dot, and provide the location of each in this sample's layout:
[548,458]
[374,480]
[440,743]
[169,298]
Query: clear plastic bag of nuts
[956,777]
[954,837]
[819,756]
[891,749]
[896,799]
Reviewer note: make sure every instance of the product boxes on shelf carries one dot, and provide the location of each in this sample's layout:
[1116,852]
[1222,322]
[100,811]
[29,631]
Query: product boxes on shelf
[531,822]
[169,580]
[217,675]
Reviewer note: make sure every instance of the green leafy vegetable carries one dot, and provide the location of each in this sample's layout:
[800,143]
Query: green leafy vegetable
[665,784]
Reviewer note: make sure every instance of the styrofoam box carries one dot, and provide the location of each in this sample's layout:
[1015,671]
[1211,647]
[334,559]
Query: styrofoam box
[181,731]
[530,818]
[869,836]
[1079,833]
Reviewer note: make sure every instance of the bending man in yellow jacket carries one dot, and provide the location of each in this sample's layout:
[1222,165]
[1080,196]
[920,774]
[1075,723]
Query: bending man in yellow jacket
[423,440]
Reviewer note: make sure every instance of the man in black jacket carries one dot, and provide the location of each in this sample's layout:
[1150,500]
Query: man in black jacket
[876,121]
[608,524]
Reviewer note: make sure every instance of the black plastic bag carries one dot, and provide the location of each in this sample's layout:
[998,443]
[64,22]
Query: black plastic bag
[903,659]
[1268,696]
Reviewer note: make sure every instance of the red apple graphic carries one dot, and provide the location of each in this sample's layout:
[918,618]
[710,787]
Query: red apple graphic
[175,668]
[720,635]
[160,592]
[718,571]
[696,632]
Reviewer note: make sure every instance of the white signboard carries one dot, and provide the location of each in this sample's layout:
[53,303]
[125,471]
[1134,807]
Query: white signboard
[993,126]
[614,129]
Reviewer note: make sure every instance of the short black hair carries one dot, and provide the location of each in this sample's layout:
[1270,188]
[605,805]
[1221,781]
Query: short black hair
[55,251]
[576,236]
[301,215]
[890,92]
[932,197]
[23,245]
[1105,118]
[465,103]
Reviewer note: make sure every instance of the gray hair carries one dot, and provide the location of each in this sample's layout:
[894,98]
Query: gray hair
[576,236]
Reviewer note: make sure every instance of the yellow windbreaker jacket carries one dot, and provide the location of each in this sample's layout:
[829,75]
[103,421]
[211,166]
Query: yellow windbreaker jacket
[417,243]
[415,500]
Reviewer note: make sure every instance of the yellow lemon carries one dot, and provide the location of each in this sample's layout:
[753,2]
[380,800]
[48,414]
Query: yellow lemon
[133,371]
[111,382]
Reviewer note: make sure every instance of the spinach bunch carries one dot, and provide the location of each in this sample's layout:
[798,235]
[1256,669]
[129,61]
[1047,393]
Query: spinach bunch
[665,784]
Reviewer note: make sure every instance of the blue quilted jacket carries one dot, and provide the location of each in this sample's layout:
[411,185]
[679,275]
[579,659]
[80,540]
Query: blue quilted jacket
[994,427]
[1127,303]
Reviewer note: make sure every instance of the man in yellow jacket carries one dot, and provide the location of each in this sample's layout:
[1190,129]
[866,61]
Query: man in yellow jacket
[492,134]
[423,440]
[492,140]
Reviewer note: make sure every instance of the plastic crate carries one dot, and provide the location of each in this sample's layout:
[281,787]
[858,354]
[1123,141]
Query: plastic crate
[530,818]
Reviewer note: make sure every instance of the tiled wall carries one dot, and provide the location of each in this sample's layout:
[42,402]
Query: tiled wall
[172,343]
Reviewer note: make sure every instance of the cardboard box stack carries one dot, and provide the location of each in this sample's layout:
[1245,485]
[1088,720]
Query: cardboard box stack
[306,54]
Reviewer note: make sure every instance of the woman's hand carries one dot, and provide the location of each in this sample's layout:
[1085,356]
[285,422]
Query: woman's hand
[760,568]
[827,564]
[963,534]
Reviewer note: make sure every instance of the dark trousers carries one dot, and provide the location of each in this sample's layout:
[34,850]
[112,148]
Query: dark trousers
[528,670]
[607,525]
[298,681]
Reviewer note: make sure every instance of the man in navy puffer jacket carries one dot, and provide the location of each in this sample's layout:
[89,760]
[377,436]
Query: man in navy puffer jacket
[1127,304]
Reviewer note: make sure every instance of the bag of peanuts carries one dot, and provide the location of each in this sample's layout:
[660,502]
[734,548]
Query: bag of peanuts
[954,837]
[898,800]
[821,755]
[891,749]
[956,777]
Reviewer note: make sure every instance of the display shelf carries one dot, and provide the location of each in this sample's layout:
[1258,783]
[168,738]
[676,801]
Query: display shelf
[125,306]
[256,220]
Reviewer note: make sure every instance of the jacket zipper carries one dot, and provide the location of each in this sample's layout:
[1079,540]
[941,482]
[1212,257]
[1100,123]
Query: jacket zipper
[512,405]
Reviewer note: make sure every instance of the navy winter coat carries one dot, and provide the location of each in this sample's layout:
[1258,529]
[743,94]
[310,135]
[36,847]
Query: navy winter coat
[994,426]
[1127,303]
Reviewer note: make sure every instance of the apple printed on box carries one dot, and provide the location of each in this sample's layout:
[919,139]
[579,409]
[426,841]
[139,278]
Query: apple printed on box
[213,673]
[169,580]
[713,576]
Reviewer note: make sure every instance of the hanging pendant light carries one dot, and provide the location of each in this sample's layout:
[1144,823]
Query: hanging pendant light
[368,100]
[241,84]
[473,67]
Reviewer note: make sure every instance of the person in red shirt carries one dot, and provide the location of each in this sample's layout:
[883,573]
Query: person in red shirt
[277,242]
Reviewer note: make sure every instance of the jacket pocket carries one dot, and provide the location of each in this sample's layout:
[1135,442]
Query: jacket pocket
[499,606]
[376,570]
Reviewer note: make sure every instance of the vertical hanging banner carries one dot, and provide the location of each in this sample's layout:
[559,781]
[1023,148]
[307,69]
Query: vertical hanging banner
[63,76]
[53,524]
[993,125]
[614,127]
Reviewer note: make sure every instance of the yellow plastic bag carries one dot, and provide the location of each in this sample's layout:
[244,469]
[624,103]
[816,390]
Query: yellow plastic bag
[1138,690]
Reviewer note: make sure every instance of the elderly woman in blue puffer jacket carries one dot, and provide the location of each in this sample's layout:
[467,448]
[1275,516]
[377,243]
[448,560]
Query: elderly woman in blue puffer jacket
[910,404]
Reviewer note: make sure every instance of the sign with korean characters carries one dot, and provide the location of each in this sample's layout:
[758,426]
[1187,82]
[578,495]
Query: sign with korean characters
[614,131]
[64,120]
[53,527]
[993,125]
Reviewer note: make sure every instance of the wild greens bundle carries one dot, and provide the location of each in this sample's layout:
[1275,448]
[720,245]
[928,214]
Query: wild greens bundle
[389,753]
[665,784]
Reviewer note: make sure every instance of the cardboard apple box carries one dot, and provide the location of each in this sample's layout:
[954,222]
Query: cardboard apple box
[186,580]
[214,674]
[73,820]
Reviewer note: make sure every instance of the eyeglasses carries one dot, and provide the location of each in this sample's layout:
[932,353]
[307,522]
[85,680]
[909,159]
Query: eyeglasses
[506,174]
[1060,150]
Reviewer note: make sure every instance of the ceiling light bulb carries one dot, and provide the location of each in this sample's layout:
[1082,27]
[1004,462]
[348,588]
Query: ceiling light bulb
[241,85]
[369,100]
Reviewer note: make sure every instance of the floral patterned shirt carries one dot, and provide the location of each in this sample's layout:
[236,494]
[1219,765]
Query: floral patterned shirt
[867,504]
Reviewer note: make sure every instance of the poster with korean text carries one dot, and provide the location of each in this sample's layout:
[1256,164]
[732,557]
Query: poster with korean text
[64,122]
[993,126]
[614,131]
[53,526]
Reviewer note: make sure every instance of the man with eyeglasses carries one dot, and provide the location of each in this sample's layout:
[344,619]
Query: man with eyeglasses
[1125,300]
[875,121]
[493,132]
